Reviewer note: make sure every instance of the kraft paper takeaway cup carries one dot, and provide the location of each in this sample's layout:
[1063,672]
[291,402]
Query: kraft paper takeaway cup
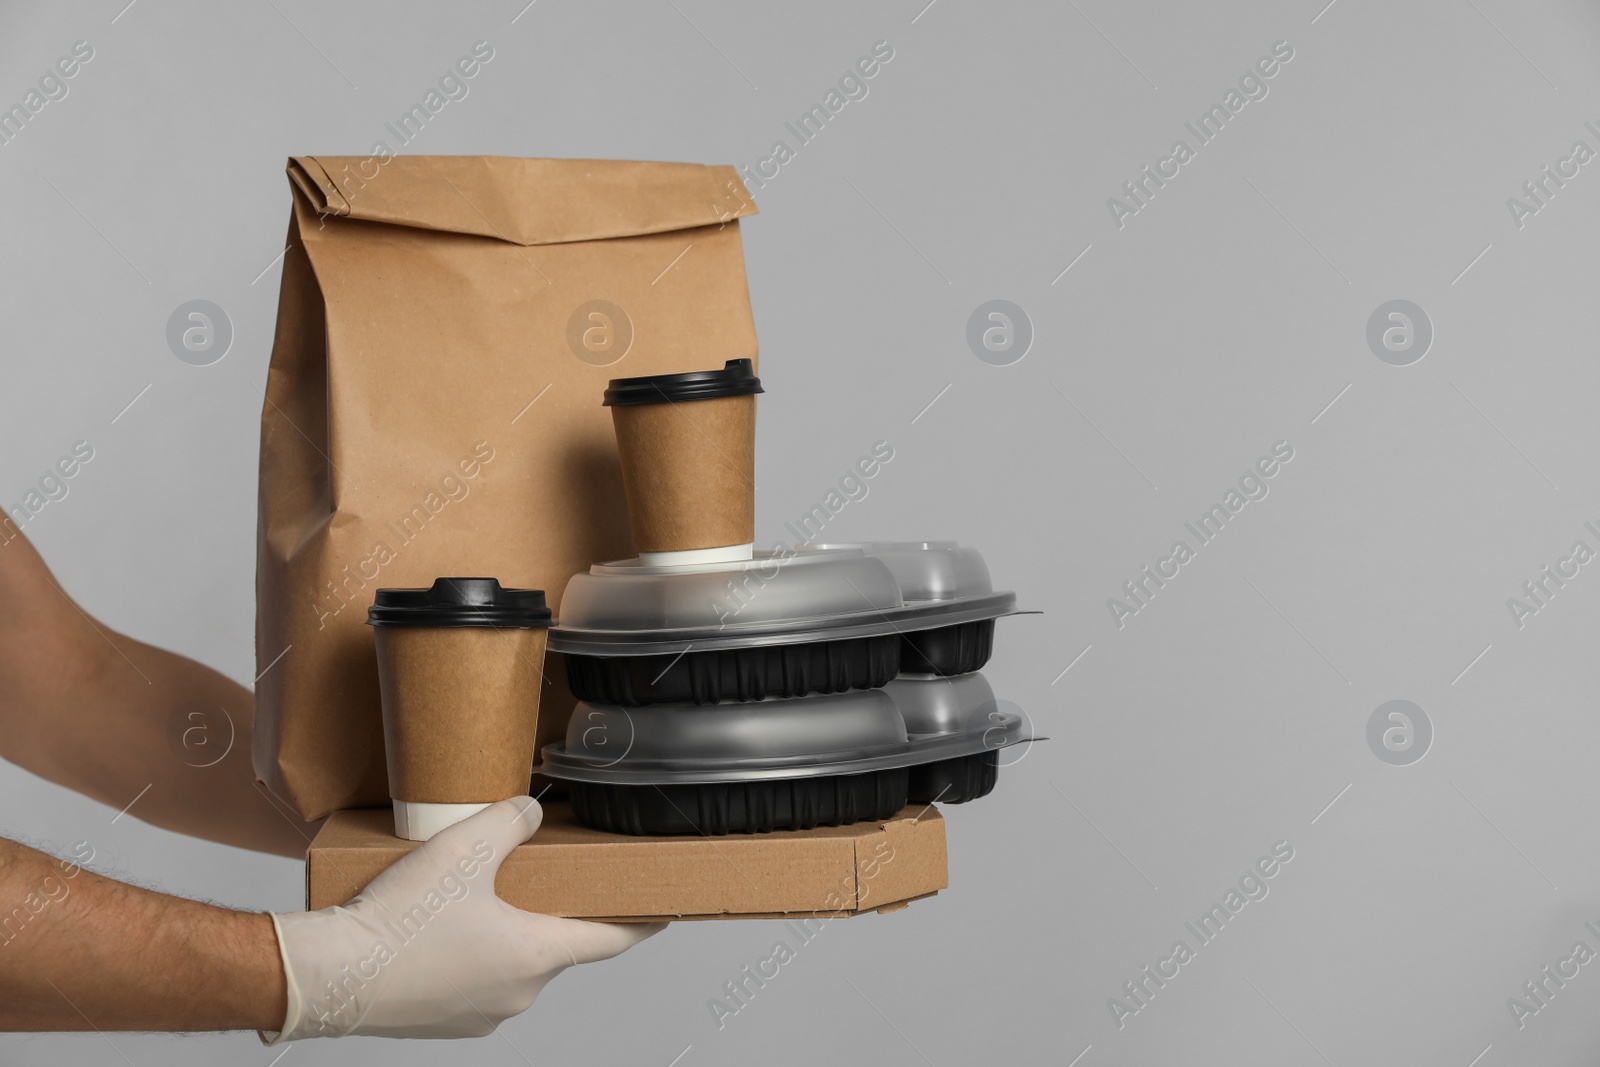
[688,444]
[459,672]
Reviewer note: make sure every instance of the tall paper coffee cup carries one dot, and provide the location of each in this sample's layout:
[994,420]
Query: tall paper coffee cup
[687,444]
[460,667]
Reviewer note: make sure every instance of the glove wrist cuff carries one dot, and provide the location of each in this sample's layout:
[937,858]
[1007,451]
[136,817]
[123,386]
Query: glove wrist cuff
[294,1016]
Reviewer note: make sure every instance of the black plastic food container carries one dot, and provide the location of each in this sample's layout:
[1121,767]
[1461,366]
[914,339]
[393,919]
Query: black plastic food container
[960,714]
[735,674]
[717,808]
[734,768]
[782,764]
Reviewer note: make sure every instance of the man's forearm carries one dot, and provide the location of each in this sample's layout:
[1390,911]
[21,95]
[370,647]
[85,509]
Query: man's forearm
[145,717]
[82,952]
[117,719]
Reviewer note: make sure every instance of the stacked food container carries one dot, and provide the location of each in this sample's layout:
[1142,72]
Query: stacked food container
[939,690]
[727,690]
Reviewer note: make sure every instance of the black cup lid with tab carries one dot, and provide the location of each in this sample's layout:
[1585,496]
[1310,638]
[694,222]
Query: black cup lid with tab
[461,602]
[736,378]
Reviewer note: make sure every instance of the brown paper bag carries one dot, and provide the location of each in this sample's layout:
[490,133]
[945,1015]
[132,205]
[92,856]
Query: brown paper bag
[446,328]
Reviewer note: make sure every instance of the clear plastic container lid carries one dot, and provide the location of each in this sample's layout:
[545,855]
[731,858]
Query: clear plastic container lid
[628,608]
[925,570]
[943,708]
[935,577]
[831,593]
[794,738]
[840,733]
[936,706]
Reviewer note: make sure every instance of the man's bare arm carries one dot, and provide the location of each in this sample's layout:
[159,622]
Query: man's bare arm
[82,952]
[108,716]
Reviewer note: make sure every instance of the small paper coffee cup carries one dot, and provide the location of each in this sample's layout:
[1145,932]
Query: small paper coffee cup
[460,669]
[687,444]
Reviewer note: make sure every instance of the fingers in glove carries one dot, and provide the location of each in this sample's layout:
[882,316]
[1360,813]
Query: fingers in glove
[590,942]
[503,826]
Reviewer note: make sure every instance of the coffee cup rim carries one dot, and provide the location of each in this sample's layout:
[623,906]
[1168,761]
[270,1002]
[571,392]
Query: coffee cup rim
[451,602]
[737,377]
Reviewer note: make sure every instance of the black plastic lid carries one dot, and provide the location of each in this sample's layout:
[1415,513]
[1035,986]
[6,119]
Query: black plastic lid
[460,602]
[736,378]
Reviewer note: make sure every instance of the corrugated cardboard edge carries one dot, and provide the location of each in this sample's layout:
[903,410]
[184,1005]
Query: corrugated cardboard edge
[905,860]
[913,866]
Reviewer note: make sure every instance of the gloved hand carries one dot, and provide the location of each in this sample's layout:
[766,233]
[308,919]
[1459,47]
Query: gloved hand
[428,949]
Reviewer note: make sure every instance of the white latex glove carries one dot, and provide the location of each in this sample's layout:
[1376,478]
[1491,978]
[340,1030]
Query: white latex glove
[428,949]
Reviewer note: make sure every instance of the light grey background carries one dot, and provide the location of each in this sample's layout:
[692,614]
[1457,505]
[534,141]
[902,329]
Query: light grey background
[1222,318]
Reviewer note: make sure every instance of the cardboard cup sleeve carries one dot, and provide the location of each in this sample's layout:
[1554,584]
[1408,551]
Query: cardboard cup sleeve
[689,471]
[460,709]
